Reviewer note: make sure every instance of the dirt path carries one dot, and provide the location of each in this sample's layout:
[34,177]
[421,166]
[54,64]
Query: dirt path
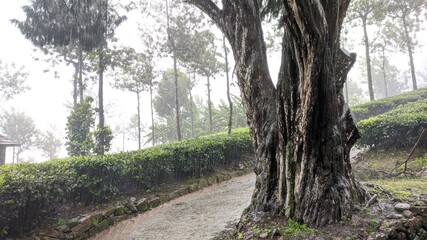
[199,215]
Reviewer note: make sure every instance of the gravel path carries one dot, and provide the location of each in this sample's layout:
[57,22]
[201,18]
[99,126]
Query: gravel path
[199,215]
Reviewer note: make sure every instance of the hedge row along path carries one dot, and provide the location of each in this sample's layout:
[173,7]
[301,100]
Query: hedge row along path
[199,215]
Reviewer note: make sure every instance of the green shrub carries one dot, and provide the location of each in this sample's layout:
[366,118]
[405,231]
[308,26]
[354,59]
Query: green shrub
[295,229]
[28,191]
[397,128]
[377,107]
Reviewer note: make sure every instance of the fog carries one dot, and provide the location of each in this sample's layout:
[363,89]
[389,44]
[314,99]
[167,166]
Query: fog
[49,100]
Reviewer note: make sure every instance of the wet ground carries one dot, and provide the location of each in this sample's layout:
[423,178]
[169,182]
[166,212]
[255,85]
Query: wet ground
[199,215]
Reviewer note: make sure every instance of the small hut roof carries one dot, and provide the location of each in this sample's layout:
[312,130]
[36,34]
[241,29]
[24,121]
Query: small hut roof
[5,141]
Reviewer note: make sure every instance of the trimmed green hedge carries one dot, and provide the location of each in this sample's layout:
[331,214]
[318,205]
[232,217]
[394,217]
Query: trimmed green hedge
[377,107]
[28,192]
[397,128]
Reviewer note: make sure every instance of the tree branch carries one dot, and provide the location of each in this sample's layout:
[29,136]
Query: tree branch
[420,138]
[345,62]
[343,11]
[208,7]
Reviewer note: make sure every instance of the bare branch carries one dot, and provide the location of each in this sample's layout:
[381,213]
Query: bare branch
[420,139]
[372,200]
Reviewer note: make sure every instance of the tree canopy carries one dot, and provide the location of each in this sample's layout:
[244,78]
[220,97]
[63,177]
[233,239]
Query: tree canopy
[164,103]
[64,23]
[12,81]
[20,127]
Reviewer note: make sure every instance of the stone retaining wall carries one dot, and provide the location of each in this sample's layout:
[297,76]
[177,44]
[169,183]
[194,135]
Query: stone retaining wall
[409,222]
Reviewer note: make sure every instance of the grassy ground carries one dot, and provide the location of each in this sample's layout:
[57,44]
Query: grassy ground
[378,171]
[382,164]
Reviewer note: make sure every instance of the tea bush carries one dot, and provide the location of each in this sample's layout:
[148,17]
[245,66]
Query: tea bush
[28,192]
[374,108]
[397,128]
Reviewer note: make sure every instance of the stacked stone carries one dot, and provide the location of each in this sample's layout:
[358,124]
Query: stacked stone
[408,222]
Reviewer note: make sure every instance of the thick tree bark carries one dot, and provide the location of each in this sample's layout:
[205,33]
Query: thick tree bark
[240,23]
[368,60]
[302,131]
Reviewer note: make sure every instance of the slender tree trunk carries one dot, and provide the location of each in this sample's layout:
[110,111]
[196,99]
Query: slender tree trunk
[209,103]
[368,60]
[384,71]
[17,156]
[123,141]
[173,48]
[190,88]
[302,131]
[192,114]
[101,123]
[81,85]
[230,103]
[75,81]
[152,112]
[177,112]
[410,53]
[139,119]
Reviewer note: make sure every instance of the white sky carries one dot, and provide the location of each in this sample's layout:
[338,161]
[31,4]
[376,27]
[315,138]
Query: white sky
[48,98]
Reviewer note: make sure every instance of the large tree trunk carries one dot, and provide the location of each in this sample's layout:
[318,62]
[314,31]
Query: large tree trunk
[316,131]
[302,131]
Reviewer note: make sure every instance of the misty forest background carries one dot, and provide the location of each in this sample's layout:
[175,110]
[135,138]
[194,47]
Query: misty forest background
[179,58]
